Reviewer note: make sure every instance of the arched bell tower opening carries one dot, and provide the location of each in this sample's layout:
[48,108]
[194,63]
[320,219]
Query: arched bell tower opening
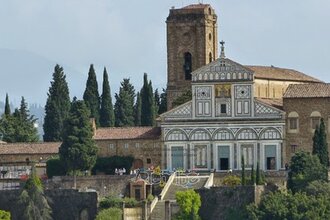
[191,43]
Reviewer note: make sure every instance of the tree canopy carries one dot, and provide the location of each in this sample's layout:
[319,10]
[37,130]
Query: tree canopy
[57,106]
[189,202]
[124,106]
[78,150]
[91,95]
[107,115]
[147,103]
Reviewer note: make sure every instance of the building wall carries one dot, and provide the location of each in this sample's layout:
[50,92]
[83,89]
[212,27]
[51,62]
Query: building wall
[193,31]
[147,150]
[301,138]
[264,88]
[22,158]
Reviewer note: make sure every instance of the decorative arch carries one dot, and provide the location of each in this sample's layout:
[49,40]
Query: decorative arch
[316,114]
[270,134]
[246,134]
[176,135]
[199,135]
[293,115]
[223,134]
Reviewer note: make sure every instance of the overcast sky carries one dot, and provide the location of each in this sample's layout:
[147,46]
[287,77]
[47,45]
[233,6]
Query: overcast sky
[129,38]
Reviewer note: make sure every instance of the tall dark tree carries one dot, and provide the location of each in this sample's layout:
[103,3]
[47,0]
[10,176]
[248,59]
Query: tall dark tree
[107,115]
[258,176]
[57,106]
[78,150]
[148,103]
[157,101]
[7,106]
[137,110]
[124,106]
[243,171]
[91,95]
[320,145]
[163,102]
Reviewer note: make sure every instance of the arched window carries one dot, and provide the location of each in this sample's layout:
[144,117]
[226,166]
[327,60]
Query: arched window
[210,36]
[210,11]
[210,57]
[293,121]
[187,67]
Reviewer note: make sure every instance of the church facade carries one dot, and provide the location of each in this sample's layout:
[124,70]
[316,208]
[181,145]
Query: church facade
[223,123]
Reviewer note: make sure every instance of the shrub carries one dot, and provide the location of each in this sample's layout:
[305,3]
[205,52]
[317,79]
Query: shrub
[115,213]
[111,202]
[54,167]
[189,202]
[4,215]
[150,197]
[231,180]
[130,202]
[108,165]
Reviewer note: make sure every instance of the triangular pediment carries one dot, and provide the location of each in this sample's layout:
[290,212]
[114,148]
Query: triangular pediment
[222,70]
[183,111]
[264,110]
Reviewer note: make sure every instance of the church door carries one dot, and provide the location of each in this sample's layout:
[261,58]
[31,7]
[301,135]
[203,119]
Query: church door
[177,158]
[223,155]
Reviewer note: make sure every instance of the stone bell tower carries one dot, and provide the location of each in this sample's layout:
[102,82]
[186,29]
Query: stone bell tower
[192,42]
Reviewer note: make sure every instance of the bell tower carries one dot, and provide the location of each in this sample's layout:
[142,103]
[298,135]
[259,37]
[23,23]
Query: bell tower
[191,43]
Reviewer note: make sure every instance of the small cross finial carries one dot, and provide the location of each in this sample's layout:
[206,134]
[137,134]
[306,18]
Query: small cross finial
[222,55]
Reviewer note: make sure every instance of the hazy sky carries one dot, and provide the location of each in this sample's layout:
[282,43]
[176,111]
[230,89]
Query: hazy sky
[129,38]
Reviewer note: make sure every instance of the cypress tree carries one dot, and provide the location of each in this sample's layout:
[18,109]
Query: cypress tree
[148,103]
[124,106]
[253,176]
[57,106]
[320,145]
[91,95]
[78,150]
[7,106]
[137,110]
[243,171]
[107,115]
[157,101]
[258,179]
[163,102]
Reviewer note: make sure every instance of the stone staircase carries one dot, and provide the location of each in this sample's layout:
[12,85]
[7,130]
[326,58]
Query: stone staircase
[183,185]
[180,183]
[159,211]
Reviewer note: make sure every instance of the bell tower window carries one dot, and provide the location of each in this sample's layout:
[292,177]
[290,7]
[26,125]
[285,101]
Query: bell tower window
[210,57]
[187,66]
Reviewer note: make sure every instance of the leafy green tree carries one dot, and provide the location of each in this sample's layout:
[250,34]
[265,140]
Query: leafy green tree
[305,168]
[124,106]
[33,200]
[148,103]
[318,188]
[107,115]
[243,171]
[20,126]
[163,102]
[189,202]
[78,150]
[186,96]
[280,205]
[57,106]
[115,213]
[231,180]
[91,95]
[320,145]
[7,106]
[4,215]
[137,110]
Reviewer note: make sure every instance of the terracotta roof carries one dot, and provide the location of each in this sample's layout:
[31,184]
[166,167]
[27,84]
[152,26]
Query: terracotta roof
[127,133]
[192,6]
[277,103]
[30,148]
[271,72]
[312,90]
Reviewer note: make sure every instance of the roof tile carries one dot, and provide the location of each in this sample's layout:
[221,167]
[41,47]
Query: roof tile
[312,90]
[127,133]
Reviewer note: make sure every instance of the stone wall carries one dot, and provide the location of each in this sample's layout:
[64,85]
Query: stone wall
[218,201]
[149,151]
[65,204]
[302,137]
[103,184]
